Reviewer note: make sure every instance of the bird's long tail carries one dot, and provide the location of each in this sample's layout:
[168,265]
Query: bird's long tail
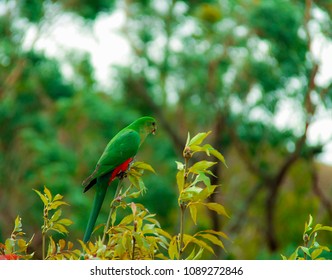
[97,203]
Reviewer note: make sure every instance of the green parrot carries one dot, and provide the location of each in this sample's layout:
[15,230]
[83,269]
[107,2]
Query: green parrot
[116,158]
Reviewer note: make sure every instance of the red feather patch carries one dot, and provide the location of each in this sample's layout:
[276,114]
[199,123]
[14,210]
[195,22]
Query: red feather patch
[121,168]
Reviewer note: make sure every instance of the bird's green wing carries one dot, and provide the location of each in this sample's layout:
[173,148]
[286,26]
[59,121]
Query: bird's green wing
[123,146]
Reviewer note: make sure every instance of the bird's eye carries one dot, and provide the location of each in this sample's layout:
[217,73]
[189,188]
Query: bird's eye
[153,123]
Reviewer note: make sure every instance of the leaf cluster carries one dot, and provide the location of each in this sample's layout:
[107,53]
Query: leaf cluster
[134,232]
[16,247]
[311,248]
[194,186]
[137,236]
[51,207]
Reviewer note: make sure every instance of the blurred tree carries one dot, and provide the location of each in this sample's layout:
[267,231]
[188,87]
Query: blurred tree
[231,66]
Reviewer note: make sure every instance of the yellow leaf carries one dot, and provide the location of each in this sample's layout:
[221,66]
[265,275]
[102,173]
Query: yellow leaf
[220,233]
[215,240]
[173,251]
[56,204]
[65,222]
[22,245]
[144,166]
[59,228]
[57,197]
[163,232]
[219,156]
[62,244]
[48,193]
[56,215]
[70,245]
[315,254]
[191,239]
[217,208]
[180,180]
[193,212]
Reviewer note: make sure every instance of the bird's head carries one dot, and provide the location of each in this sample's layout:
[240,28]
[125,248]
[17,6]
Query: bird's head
[145,126]
[150,125]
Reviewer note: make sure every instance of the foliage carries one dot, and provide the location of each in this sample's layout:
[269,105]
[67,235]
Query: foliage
[194,186]
[53,223]
[311,248]
[16,247]
[137,234]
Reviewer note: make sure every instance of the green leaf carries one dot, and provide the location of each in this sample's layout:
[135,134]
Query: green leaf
[307,226]
[18,225]
[219,156]
[193,212]
[42,197]
[305,250]
[201,177]
[315,253]
[327,228]
[199,254]
[56,215]
[217,208]
[295,255]
[207,191]
[190,194]
[188,139]
[208,149]
[9,245]
[192,255]
[199,138]
[201,166]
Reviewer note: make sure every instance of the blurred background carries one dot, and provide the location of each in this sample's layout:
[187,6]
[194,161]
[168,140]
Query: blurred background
[257,73]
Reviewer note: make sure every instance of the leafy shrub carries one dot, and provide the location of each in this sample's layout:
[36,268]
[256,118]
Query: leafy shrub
[310,249]
[138,234]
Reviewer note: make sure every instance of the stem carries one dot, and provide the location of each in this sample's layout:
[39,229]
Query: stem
[183,209]
[134,241]
[305,244]
[182,212]
[43,245]
[117,192]
[44,229]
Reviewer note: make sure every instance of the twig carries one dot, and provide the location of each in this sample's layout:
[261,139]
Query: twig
[186,155]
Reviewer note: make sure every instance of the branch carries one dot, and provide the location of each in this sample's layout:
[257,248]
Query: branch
[315,187]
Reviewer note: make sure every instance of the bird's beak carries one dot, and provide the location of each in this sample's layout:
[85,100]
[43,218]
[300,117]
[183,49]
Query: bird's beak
[154,130]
